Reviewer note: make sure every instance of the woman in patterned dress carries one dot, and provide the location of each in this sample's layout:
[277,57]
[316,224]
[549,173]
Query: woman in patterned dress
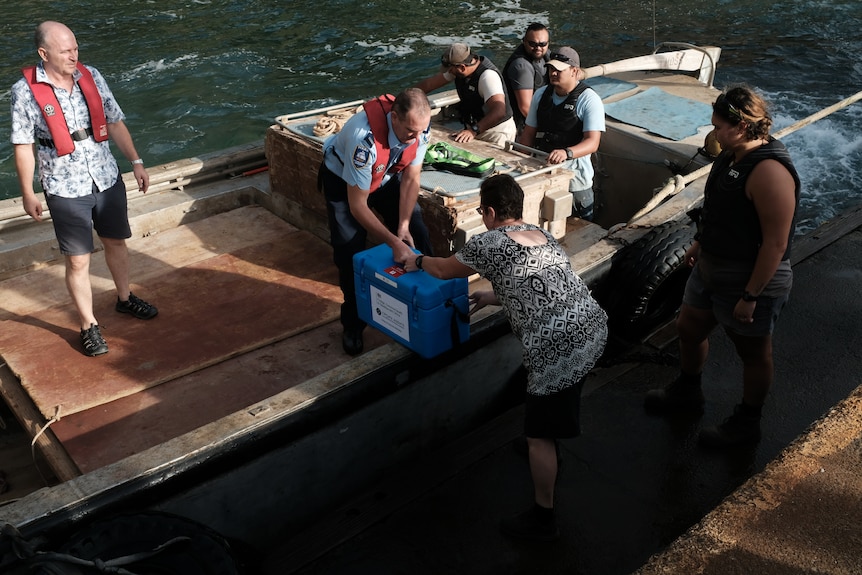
[561,327]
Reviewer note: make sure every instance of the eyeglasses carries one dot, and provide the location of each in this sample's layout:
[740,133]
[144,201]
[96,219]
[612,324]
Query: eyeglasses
[559,57]
[536,44]
[481,210]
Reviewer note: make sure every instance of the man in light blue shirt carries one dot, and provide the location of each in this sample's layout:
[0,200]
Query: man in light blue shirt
[373,165]
[566,120]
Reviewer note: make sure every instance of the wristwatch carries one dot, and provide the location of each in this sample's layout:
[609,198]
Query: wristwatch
[747,296]
[475,127]
[569,154]
[418,261]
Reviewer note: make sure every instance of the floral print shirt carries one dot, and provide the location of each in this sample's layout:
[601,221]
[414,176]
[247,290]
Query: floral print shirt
[72,175]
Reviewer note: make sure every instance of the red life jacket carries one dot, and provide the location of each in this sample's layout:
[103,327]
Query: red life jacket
[376,111]
[47,100]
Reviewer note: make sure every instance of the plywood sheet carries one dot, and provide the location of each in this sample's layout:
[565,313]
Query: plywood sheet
[210,310]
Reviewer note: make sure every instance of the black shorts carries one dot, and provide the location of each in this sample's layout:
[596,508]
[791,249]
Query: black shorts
[555,416]
[75,218]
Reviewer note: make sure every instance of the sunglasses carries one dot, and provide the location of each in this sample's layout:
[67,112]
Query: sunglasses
[447,64]
[536,44]
[732,110]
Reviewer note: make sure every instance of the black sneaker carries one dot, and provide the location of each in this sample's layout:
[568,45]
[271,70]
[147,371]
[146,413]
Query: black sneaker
[676,397]
[531,526]
[93,342]
[137,307]
[737,430]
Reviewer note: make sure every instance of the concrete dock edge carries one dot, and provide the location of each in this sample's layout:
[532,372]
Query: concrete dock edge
[801,514]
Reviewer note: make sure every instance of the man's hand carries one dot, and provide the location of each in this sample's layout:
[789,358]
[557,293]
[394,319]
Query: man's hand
[32,206]
[557,157]
[402,253]
[463,136]
[141,177]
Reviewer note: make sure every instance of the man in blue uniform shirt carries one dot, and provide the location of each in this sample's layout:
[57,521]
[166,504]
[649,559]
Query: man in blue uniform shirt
[374,163]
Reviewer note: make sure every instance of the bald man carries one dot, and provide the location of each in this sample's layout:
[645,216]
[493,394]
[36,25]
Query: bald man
[64,114]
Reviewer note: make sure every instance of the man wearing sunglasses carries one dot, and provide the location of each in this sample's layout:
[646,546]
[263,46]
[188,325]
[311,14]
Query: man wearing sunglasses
[485,108]
[524,72]
[566,120]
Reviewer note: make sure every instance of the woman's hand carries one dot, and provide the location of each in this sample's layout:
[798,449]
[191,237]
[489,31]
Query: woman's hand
[479,299]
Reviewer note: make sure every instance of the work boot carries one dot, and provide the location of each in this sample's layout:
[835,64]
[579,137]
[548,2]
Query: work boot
[679,396]
[535,524]
[351,341]
[741,428]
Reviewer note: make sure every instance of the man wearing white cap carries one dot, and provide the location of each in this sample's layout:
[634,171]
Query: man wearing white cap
[485,108]
[566,120]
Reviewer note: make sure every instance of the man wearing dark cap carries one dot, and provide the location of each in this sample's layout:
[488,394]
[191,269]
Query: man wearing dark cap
[566,120]
[524,72]
[485,108]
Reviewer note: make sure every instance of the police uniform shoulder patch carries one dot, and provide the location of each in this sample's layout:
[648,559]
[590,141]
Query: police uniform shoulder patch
[360,156]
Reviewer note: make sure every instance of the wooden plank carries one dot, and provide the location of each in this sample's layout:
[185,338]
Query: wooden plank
[826,234]
[104,435]
[32,421]
[151,257]
[209,312]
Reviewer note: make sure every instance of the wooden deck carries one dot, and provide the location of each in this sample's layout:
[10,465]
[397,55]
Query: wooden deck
[242,283]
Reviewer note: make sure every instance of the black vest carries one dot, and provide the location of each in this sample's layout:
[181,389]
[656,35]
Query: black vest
[468,91]
[559,126]
[729,226]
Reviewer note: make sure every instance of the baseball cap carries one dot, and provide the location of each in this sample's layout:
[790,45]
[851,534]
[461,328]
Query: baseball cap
[563,58]
[457,53]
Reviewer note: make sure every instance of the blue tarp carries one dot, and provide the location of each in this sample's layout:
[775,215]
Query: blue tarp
[662,113]
[607,87]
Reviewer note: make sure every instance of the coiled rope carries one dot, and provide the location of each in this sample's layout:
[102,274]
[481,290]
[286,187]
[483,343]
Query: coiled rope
[333,121]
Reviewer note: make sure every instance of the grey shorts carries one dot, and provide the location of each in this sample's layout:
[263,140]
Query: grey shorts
[75,218]
[699,295]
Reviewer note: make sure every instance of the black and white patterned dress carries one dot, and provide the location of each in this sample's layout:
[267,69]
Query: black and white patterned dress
[562,328]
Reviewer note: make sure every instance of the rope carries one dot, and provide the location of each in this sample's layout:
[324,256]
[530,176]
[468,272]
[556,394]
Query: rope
[44,428]
[333,121]
[28,552]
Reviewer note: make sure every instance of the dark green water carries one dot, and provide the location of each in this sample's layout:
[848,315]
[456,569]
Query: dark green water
[197,76]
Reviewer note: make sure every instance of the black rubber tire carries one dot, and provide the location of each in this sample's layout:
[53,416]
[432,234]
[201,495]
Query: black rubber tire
[647,280]
[206,553]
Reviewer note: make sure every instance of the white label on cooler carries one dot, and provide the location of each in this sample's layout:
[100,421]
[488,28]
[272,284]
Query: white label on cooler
[390,313]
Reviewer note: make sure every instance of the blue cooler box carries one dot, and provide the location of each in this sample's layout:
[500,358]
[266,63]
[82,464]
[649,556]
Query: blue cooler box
[420,311]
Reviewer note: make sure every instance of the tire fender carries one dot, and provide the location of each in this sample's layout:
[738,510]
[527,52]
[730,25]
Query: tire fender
[647,279]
